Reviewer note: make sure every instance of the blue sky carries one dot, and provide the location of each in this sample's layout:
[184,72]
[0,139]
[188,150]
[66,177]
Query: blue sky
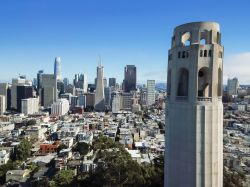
[34,32]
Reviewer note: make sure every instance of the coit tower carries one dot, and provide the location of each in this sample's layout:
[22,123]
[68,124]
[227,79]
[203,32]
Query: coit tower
[194,112]
[57,69]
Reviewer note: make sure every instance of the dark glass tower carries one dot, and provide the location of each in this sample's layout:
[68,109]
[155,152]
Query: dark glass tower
[129,78]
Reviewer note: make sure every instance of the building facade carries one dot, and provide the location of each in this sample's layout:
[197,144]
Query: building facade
[232,86]
[30,106]
[2,104]
[150,92]
[194,110]
[60,107]
[129,83]
[99,94]
[57,69]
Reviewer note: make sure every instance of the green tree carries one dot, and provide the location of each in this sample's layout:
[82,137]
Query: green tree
[61,147]
[23,150]
[4,168]
[232,178]
[63,178]
[82,148]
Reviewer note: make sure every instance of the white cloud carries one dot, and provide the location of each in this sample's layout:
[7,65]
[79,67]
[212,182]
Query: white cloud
[237,65]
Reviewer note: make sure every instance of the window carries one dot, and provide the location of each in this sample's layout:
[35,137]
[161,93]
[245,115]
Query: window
[201,53]
[220,54]
[219,82]
[203,82]
[204,37]
[179,54]
[210,53]
[183,54]
[182,89]
[186,38]
[205,53]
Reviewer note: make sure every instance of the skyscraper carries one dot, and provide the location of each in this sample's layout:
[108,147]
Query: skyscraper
[129,78]
[112,82]
[194,112]
[2,104]
[150,92]
[80,81]
[23,92]
[49,90]
[57,69]
[39,79]
[232,86]
[99,95]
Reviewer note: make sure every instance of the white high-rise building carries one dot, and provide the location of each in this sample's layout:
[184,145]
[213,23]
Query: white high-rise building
[232,86]
[57,69]
[194,110]
[4,91]
[60,107]
[2,104]
[116,102]
[30,106]
[150,92]
[99,95]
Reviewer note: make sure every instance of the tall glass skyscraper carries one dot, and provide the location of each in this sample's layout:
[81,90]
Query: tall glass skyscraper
[57,68]
[129,78]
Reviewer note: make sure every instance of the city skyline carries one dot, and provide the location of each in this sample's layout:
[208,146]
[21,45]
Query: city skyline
[34,33]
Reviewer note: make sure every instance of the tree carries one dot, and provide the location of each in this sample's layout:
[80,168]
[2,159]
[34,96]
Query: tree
[61,147]
[232,178]
[22,151]
[4,168]
[63,178]
[31,122]
[82,148]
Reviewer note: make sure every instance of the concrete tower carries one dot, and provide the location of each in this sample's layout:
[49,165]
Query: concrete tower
[99,95]
[194,113]
[57,69]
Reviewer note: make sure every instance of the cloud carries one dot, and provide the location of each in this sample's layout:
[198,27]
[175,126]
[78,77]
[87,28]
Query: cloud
[237,65]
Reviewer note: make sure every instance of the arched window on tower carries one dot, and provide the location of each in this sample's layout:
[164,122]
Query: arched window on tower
[204,37]
[219,82]
[205,53]
[201,53]
[169,82]
[186,38]
[218,38]
[203,83]
[183,79]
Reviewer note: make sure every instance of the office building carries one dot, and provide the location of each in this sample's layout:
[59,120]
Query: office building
[107,93]
[90,99]
[194,110]
[232,86]
[30,106]
[39,79]
[4,92]
[23,92]
[66,81]
[49,90]
[82,101]
[20,81]
[60,107]
[57,69]
[99,94]
[126,101]
[150,92]
[112,82]
[2,104]
[81,81]
[116,102]
[129,83]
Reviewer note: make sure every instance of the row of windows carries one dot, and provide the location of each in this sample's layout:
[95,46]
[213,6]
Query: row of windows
[205,53]
[183,54]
